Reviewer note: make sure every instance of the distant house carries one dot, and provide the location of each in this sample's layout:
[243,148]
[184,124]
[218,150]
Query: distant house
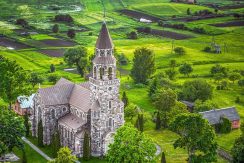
[213,116]
[23,105]
[189,105]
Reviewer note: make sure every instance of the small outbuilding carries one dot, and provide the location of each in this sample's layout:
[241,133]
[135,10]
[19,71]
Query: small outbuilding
[23,105]
[214,116]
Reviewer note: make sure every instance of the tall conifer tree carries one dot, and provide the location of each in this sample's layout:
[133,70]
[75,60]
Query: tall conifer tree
[86,147]
[40,134]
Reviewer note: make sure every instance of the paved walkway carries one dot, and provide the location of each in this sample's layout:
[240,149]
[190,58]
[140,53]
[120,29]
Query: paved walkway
[38,150]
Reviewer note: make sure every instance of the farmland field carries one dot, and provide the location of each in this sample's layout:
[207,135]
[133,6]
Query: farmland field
[36,52]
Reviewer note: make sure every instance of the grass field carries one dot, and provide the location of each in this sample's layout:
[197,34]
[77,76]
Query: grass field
[229,38]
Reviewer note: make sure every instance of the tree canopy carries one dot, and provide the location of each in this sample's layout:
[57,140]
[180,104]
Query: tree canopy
[11,130]
[143,65]
[14,80]
[197,136]
[238,149]
[131,145]
[185,69]
[77,56]
[64,156]
[197,89]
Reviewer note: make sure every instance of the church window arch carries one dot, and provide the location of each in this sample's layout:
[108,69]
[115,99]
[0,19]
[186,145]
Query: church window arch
[110,122]
[101,72]
[110,73]
[53,113]
[109,104]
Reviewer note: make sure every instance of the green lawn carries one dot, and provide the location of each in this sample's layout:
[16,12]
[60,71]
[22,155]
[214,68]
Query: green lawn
[31,155]
[168,9]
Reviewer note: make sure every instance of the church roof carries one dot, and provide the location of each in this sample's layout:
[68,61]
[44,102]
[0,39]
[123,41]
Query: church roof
[104,40]
[66,92]
[71,121]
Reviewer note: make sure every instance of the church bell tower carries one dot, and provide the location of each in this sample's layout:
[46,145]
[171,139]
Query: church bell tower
[107,111]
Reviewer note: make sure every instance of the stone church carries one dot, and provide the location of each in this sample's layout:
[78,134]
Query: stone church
[92,106]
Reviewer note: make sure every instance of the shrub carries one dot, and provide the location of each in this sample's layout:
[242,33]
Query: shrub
[122,59]
[64,18]
[52,68]
[199,30]
[132,35]
[179,51]
[224,126]
[71,33]
[236,15]
[238,100]
[22,22]
[53,78]
[147,30]
[55,28]
[90,34]
[207,49]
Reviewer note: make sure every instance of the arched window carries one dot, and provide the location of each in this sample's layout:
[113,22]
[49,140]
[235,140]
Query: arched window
[95,72]
[110,122]
[101,73]
[109,104]
[110,73]
[53,114]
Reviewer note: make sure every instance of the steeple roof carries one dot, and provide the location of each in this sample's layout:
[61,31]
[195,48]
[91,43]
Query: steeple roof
[104,40]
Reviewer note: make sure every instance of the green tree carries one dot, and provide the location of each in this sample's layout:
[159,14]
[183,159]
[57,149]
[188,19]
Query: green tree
[197,89]
[237,150]
[77,56]
[11,130]
[171,73]
[71,33]
[241,83]
[152,88]
[55,143]
[130,111]
[35,78]
[219,69]
[14,80]
[218,77]
[24,159]
[188,11]
[163,159]
[172,63]
[52,68]
[86,147]
[234,76]
[224,126]
[186,69]
[125,99]
[164,100]
[64,156]
[140,122]
[53,78]
[55,28]
[131,145]
[40,134]
[176,110]
[201,106]
[158,121]
[196,136]
[179,51]
[143,65]
[27,125]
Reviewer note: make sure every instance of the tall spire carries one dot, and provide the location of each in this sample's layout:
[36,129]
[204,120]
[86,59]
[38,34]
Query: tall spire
[104,40]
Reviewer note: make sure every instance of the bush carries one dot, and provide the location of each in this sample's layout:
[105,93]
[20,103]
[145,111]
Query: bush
[180,51]
[207,49]
[122,59]
[55,28]
[22,22]
[224,126]
[90,34]
[53,78]
[64,18]
[147,30]
[71,33]
[132,35]
[238,100]
[199,30]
